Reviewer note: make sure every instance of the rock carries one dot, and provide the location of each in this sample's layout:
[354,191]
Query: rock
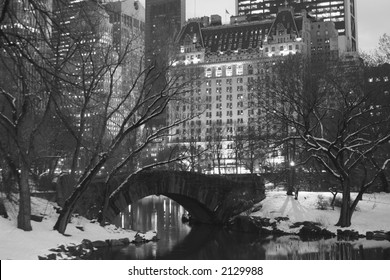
[313,230]
[87,244]
[380,235]
[138,238]
[36,218]
[125,241]
[56,250]
[185,218]
[245,224]
[279,219]
[99,244]
[51,256]
[347,235]
[369,235]
[80,228]
[76,251]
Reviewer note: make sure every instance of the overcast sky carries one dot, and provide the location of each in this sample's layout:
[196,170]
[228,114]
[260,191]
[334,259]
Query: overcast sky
[373,17]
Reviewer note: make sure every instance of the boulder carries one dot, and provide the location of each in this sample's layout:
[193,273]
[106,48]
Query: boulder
[245,224]
[125,241]
[347,235]
[99,244]
[380,235]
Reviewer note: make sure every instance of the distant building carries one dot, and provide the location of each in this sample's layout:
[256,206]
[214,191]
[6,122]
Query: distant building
[128,36]
[324,42]
[341,12]
[163,21]
[229,58]
[24,24]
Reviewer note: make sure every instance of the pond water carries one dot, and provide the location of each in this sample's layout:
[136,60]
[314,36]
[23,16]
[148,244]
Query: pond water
[202,242]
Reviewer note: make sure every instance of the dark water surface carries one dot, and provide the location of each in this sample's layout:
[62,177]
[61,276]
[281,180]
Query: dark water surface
[180,241]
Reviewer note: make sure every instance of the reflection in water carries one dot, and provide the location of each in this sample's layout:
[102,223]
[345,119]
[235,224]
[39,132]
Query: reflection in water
[179,241]
[157,213]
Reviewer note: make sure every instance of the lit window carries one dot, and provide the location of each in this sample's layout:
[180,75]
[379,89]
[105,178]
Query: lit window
[240,69]
[229,71]
[208,72]
[218,73]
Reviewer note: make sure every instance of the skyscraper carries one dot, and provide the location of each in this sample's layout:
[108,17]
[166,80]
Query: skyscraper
[128,20]
[341,12]
[163,21]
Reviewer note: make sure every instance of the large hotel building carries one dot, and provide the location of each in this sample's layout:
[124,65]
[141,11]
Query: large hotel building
[341,12]
[228,58]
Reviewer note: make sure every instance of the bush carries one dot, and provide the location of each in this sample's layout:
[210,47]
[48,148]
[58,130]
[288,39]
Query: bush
[322,203]
[339,201]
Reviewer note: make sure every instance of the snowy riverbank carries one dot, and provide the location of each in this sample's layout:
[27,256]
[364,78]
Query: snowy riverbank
[16,244]
[372,212]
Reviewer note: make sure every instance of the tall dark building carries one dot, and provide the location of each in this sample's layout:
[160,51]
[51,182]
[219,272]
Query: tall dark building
[163,20]
[341,12]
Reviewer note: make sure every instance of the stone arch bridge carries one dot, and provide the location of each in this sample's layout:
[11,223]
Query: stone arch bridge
[208,198]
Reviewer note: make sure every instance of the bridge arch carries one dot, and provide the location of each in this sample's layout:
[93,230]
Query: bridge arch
[208,198]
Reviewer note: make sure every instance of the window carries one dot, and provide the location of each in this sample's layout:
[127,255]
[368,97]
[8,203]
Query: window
[240,69]
[218,73]
[229,71]
[250,69]
[208,72]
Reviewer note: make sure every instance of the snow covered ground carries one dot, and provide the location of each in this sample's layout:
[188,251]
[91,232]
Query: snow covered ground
[373,214]
[21,245]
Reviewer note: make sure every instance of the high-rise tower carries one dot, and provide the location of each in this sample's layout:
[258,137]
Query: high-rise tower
[341,12]
[163,20]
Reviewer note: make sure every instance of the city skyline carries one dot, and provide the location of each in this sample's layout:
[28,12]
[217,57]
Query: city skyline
[371,19]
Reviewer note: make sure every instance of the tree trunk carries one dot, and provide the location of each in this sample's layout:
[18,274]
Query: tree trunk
[24,215]
[345,212]
[385,183]
[71,202]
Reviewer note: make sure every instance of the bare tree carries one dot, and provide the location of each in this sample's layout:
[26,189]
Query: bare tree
[75,80]
[24,92]
[332,123]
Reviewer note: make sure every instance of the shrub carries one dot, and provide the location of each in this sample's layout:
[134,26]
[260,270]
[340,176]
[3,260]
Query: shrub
[322,203]
[339,201]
